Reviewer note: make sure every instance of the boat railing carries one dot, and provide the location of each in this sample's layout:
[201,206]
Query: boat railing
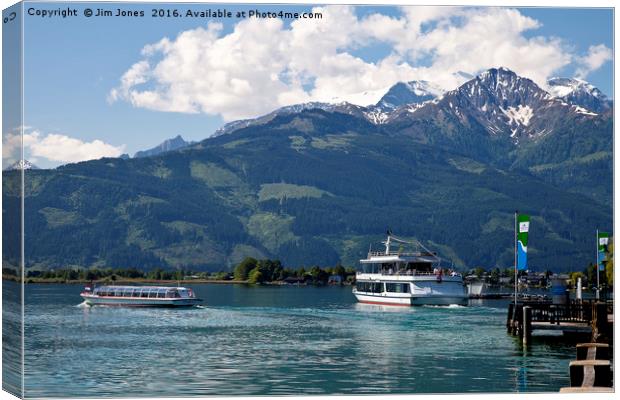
[399,253]
[410,273]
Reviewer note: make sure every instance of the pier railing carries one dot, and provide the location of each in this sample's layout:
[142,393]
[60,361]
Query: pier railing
[570,315]
[573,311]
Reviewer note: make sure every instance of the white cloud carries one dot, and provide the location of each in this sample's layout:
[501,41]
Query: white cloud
[262,64]
[54,148]
[596,57]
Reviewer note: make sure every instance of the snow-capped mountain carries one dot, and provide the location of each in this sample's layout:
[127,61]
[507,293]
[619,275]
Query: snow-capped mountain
[580,93]
[413,92]
[21,165]
[168,145]
[342,107]
[500,102]
[402,93]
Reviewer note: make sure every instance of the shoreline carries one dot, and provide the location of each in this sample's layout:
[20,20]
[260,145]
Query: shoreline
[118,281]
[31,281]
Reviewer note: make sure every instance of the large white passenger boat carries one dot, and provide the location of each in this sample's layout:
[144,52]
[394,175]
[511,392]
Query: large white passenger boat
[140,296]
[407,278]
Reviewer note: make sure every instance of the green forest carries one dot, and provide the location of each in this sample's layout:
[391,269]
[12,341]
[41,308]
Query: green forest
[314,189]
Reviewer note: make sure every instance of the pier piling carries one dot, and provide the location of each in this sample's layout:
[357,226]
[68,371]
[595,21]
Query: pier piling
[527,325]
[600,324]
[509,320]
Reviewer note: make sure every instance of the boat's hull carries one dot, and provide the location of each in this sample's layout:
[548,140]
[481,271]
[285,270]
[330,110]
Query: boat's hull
[420,290]
[410,301]
[139,302]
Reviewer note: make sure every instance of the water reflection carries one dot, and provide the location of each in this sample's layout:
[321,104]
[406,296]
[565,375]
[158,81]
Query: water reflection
[276,341]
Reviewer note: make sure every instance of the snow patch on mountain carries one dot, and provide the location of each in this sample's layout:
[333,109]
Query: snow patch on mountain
[519,115]
[412,92]
[579,93]
[582,110]
[376,116]
[561,87]
[364,99]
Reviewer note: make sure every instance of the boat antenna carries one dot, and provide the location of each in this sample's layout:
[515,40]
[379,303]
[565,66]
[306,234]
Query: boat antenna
[415,242]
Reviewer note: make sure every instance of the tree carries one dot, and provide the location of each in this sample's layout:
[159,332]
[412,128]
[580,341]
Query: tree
[574,276]
[590,273]
[243,269]
[339,270]
[221,276]
[609,265]
[315,271]
[494,275]
[255,276]
[319,275]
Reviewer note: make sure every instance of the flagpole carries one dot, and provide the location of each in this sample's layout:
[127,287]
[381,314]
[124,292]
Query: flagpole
[516,233]
[597,278]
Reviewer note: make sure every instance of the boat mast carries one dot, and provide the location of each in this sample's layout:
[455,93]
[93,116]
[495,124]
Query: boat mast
[387,245]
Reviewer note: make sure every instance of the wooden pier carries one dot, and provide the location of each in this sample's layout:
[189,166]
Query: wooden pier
[591,372]
[575,317]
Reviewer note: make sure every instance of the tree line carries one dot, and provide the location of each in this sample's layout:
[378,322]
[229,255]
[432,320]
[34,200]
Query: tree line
[263,271]
[249,270]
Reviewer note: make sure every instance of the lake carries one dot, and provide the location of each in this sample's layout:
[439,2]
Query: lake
[277,340]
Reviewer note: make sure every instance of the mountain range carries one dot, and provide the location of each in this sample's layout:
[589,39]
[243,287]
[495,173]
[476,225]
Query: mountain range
[175,143]
[21,165]
[317,183]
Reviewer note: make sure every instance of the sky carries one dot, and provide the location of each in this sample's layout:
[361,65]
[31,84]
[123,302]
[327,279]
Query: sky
[104,86]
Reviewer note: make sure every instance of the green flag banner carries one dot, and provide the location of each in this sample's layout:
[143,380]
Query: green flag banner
[523,229]
[603,242]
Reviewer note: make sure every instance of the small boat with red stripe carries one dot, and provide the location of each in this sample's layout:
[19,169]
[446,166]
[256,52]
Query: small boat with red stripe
[139,296]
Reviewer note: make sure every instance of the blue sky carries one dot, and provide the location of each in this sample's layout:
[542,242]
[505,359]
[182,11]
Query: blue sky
[74,66]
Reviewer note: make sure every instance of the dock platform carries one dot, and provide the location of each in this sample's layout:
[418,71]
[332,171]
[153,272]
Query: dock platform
[576,317]
[568,327]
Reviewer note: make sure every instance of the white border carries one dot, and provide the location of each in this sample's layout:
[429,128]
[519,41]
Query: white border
[506,3]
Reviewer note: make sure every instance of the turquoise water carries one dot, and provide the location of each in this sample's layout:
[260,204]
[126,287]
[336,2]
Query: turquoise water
[277,341]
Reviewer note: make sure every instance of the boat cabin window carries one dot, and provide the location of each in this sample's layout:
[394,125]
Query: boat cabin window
[420,266]
[397,287]
[142,292]
[369,287]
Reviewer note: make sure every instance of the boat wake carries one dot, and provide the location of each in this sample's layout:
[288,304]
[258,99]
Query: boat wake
[444,306]
[83,305]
